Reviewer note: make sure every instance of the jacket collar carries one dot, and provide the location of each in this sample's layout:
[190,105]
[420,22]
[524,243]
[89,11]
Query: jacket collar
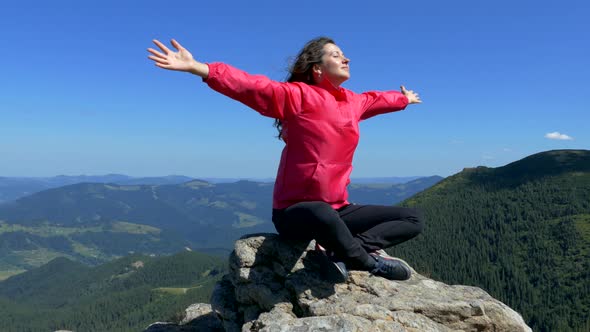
[338,92]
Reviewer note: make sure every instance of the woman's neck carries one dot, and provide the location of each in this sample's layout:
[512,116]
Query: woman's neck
[328,85]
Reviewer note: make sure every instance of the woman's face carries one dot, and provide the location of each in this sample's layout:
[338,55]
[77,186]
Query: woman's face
[334,66]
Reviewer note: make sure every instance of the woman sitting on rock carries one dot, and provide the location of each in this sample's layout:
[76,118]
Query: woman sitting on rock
[319,122]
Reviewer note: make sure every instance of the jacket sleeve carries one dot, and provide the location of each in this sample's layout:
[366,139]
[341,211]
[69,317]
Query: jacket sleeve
[270,98]
[377,102]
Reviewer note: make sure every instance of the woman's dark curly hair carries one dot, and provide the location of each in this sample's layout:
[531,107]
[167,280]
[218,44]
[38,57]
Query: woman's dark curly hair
[302,68]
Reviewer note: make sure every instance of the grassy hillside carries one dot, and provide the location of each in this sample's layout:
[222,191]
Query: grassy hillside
[520,231]
[24,247]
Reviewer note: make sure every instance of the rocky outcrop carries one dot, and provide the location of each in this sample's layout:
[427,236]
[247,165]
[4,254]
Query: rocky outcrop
[275,285]
[197,317]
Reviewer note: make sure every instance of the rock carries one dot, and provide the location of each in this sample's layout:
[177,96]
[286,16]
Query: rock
[274,285]
[195,311]
[198,317]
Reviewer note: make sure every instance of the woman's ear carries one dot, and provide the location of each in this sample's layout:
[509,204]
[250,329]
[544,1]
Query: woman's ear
[317,69]
[317,73]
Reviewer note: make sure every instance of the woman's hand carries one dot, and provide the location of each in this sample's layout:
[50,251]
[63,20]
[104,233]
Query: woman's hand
[411,95]
[181,61]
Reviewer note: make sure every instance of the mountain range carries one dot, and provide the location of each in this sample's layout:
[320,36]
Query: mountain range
[97,222]
[12,188]
[521,232]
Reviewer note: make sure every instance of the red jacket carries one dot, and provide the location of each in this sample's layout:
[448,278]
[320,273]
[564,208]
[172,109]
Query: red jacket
[320,130]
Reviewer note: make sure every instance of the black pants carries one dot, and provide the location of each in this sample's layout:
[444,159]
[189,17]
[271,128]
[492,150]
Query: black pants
[350,232]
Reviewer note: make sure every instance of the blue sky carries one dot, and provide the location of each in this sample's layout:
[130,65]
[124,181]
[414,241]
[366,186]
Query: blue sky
[79,96]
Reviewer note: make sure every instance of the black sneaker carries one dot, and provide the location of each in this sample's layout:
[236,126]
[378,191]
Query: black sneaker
[330,269]
[390,268]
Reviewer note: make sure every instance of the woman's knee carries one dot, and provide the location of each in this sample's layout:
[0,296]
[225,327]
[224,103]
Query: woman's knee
[416,216]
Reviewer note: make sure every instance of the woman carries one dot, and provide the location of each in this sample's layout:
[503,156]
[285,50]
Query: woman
[318,121]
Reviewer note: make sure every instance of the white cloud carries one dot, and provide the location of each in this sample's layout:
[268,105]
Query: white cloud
[557,135]
[488,157]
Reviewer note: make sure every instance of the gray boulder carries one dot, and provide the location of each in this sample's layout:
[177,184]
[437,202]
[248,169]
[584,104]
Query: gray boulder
[274,285]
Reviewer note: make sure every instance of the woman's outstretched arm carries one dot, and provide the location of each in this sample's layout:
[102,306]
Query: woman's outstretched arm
[376,102]
[270,98]
[182,60]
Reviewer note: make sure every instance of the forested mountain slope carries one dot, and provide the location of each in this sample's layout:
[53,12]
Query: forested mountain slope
[521,232]
[122,295]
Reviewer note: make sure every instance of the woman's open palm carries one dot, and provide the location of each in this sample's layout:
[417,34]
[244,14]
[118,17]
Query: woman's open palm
[413,97]
[182,60]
